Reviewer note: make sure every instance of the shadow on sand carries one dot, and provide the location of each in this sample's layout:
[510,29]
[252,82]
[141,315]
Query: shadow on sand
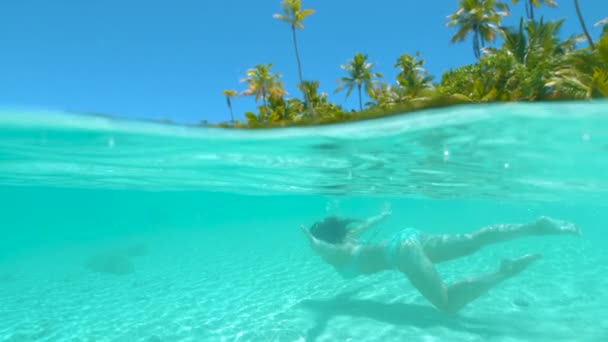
[398,314]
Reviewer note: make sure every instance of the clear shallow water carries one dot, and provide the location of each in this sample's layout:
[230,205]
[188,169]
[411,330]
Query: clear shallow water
[128,231]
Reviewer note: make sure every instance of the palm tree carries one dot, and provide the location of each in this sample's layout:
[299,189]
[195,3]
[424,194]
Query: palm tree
[360,75]
[412,77]
[384,96]
[261,82]
[580,19]
[293,14]
[545,41]
[515,42]
[535,41]
[530,4]
[481,17]
[583,74]
[528,59]
[230,93]
[604,24]
[311,89]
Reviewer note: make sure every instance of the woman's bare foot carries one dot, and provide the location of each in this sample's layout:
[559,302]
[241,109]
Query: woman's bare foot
[511,267]
[546,225]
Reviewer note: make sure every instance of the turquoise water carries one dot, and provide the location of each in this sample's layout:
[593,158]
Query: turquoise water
[130,231]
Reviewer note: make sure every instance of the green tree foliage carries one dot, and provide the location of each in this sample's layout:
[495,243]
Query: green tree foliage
[583,74]
[519,70]
[479,17]
[412,78]
[263,83]
[294,15]
[533,63]
[360,75]
[604,24]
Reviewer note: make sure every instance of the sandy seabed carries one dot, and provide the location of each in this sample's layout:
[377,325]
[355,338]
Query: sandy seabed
[204,287]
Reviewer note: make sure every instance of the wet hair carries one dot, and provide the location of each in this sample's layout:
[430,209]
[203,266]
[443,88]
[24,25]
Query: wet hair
[331,230]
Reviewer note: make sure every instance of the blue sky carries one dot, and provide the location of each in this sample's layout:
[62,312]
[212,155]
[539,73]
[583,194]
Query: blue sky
[160,59]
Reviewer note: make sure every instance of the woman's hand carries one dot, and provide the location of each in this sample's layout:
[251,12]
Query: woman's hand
[386,210]
[326,251]
[317,246]
[308,234]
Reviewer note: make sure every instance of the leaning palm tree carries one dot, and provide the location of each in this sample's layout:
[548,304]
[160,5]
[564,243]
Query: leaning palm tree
[530,4]
[293,14]
[360,75]
[230,93]
[480,17]
[580,19]
[263,83]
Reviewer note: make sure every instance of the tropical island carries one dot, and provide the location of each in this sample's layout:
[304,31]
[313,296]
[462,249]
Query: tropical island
[532,64]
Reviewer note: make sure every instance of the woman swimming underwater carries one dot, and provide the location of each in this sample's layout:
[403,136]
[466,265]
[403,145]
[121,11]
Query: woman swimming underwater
[415,254]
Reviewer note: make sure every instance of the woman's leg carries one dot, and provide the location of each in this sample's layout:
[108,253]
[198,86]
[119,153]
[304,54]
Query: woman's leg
[452,298]
[446,247]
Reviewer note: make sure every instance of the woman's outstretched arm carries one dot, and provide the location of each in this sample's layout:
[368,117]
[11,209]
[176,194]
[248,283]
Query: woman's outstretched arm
[370,222]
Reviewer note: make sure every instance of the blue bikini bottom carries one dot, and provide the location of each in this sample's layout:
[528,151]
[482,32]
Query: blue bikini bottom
[403,244]
[393,248]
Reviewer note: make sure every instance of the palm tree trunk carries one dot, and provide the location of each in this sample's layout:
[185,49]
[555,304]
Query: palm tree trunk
[230,106]
[306,95]
[476,44]
[530,10]
[360,103]
[231,113]
[580,18]
[264,99]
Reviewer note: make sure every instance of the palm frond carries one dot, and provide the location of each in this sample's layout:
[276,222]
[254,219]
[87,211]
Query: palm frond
[600,80]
